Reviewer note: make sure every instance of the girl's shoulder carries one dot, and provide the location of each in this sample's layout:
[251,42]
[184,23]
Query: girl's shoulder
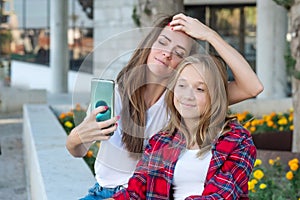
[236,134]
[237,129]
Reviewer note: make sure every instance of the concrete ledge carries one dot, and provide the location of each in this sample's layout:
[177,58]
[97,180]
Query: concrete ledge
[12,99]
[259,107]
[52,172]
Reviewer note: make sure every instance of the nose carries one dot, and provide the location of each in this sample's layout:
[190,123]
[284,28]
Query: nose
[167,53]
[189,93]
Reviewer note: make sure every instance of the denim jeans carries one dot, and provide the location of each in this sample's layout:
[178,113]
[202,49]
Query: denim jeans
[98,192]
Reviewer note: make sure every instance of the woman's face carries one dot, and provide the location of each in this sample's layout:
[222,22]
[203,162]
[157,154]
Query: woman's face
[191,93]
[167,51]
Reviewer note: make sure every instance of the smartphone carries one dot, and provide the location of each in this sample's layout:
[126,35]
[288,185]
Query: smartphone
[103,94]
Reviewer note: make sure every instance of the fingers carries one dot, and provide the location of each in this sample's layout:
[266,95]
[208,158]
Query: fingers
[180,16]
[99,109]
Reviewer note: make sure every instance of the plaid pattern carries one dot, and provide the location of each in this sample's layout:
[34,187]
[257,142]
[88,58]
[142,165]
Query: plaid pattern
[233,157]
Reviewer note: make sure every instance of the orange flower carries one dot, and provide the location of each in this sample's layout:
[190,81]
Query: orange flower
[89,154]
[289,175]
[62,116]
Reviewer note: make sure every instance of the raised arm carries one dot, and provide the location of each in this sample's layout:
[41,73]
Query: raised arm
[246,83]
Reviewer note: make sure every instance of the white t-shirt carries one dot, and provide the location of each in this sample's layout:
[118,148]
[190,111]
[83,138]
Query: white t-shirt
[113,165]
[190,174]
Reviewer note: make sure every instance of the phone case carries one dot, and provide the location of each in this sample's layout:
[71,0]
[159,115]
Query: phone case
[102,94]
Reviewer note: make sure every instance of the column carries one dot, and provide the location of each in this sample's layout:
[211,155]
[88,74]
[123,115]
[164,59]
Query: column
[59,59]
[272,21]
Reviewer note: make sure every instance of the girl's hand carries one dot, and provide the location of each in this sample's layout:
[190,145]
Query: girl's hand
[90,130]
[191,26]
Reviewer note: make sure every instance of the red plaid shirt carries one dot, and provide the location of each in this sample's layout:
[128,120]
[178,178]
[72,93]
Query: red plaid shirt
[233,156]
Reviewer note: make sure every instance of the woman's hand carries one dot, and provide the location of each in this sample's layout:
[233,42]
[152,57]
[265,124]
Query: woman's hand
[191,26]
[89,131]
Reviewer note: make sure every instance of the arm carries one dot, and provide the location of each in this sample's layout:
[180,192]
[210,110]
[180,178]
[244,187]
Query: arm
[238,90]
[88,131]
[230,180]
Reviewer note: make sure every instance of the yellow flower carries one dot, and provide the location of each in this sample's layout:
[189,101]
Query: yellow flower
[289,175]
[271,162]
[281,128]
[294,166]
[247,124]
[68,124]
[257,162]
[250,185]
[98,144]
[252,129]
[254,181]
[258,174]
[282,121]
[295,160]
[262,186]
[291,127]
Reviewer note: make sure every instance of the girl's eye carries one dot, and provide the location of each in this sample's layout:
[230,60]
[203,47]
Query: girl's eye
[200,90]
[179,53]
[180,85]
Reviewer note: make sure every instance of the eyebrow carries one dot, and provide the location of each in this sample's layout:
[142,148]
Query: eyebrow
[185,80]
[170,41]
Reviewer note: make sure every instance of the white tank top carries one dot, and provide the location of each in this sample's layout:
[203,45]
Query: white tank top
[113,165]
[190,174]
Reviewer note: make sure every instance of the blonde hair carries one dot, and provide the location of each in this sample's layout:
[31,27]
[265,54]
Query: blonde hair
[131,82]
[213,121]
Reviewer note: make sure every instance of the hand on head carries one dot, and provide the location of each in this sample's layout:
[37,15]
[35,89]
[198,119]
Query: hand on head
[191,26]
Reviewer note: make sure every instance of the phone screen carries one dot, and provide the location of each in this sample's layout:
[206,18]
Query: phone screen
[102,94]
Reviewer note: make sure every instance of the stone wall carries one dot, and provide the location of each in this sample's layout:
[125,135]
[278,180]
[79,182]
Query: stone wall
[115,36]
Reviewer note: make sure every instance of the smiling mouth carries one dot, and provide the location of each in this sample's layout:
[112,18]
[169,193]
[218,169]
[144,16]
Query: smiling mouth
[188,105]
[162,62]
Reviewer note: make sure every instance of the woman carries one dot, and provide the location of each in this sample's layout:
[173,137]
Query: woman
[140,91]
[202,153]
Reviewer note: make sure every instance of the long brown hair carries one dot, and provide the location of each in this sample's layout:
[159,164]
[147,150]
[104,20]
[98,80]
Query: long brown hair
[214,119]
[131,83]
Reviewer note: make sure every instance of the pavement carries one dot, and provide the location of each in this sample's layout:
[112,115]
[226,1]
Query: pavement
[12,167]
[13,183]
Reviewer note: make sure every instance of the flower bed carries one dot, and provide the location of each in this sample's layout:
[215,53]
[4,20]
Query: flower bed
[270,132]
[72,118]
[275,180]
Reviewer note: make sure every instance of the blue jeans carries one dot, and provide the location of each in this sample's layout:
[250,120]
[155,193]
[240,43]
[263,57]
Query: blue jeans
[98,192]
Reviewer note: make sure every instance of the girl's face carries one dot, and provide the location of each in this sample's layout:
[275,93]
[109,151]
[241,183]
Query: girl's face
[191,93]
[167,51]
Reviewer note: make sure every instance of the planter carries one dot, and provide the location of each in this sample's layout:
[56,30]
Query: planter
[278,141]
